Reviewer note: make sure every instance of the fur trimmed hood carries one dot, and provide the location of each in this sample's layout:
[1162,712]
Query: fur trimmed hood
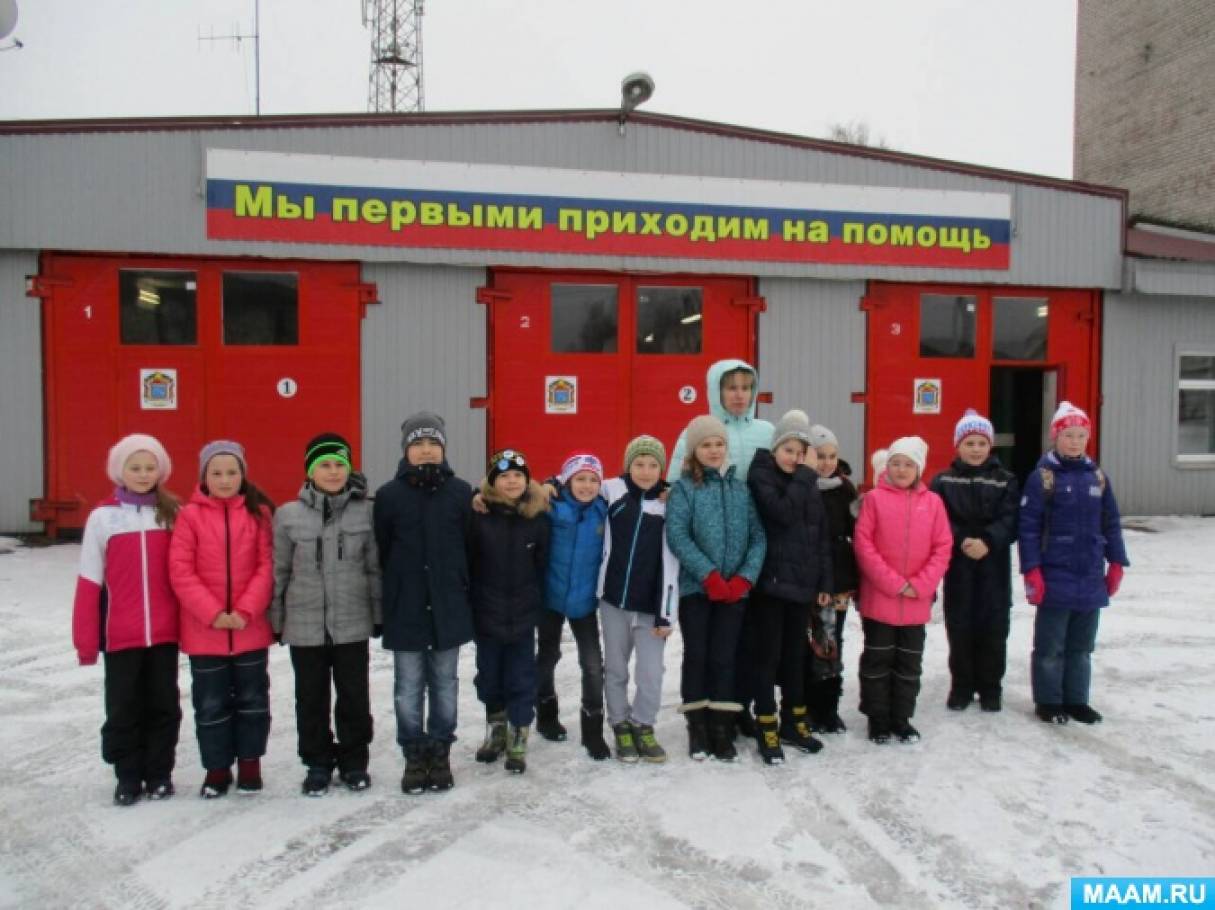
[533,502]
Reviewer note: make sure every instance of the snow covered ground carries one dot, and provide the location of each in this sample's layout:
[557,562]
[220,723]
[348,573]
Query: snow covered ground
[989,810]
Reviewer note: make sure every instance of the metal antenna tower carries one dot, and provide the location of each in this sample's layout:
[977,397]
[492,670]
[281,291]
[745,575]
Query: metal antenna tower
[236,37]
[395,83]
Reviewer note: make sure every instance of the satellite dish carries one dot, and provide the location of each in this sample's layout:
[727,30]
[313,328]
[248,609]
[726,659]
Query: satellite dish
[8,17]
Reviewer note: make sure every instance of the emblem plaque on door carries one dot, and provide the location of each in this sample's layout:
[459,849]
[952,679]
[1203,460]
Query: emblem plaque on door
[927,398]
[158,389]
[560,394]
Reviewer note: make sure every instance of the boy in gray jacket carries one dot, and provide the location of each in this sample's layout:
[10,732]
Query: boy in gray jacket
[326,605]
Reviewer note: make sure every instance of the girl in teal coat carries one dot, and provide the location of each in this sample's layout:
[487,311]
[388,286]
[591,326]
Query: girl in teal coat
[731,387]
[715,532]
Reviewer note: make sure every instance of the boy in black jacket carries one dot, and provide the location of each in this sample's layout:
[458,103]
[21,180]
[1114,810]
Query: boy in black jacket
[795,578]
[421,521]
[981,500]
[509,553]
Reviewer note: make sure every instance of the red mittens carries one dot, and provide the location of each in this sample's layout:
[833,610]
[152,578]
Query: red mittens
[1113,578]
[1035,587]
[716,587]
[739,588]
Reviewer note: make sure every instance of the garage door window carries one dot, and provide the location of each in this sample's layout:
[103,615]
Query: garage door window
[157,307]
[261,308]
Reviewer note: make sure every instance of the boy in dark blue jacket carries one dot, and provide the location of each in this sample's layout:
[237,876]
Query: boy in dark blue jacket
[576,525]
[1073,558]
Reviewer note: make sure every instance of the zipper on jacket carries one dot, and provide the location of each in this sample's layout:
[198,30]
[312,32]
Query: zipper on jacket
[143,560]
[228,563]
[628,568]
[725,525]
[906,554]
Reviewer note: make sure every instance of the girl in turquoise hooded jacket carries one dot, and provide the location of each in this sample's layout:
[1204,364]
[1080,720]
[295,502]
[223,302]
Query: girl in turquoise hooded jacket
[731,387]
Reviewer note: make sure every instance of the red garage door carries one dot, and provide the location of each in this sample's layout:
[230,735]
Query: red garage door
[266,353]
[589,360]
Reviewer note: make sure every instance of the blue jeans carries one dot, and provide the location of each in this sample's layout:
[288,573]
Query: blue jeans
[231,706]
[417,676]
[506,677]
[1061,666]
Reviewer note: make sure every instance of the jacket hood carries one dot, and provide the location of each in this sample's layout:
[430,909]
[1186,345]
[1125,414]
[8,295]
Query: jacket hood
[313,498]
[534,501]
[713,389]
[1057,462]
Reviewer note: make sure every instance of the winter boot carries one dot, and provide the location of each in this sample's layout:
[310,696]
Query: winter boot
[722,725]
[768,739]
[744,723]
[316,781]
[248,775]
[795,730]
[592,736]
[647,745]
[1083,714]
[905,731]
[626,744]
[833,688]
[439,777]
[495,737]
[698,734]
[959,699]
[879,732]
[547,724]
[516,749]
[356,779]
[990,702]
[128,791]
[216,783]
[1051,714]
[160,789]
[417,769]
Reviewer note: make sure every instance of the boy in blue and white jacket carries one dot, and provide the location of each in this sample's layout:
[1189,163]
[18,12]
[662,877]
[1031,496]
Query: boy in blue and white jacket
[638,598]
[577,520]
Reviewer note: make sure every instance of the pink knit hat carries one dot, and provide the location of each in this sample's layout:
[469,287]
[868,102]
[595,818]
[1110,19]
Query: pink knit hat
[1067,416]
[578,462]
[128,446]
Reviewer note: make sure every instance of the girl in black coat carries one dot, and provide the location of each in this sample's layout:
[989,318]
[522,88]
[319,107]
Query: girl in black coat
[509,553]
[796,575]
[981,498]
[824,657]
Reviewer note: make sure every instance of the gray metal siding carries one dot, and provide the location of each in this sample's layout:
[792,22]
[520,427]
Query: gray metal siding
[812,357]
[142,191]
[1187,279]
[1138,387]
[423,349]
[21,455]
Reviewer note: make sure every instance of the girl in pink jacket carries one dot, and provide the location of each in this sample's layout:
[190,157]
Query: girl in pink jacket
[903,543]
[125,608]
[222,569]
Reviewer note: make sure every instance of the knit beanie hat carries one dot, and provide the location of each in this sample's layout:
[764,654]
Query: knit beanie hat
[1067,416]
[423,425]
[878,462]
[973,423]
[128,446]
[578,463]
[793,425]
[327,445]
[821,436]
[506,460]
[912,447]
[221,447]
[645,445]
[706,426]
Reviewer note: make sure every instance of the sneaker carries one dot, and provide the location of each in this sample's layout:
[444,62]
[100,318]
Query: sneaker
[626,746]
[958,701]
[356,780]
[1083,714]
[768,739]
[990,703]
[1051,714]
[905,732]
[216,783]
[647,745]
[159,789]
[795,731]
[516,750]
[248,775]
[316,781]
[879,733]
[495,738]
[127,792]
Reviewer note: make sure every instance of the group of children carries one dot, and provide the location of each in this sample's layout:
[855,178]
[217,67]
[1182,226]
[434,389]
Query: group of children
[755,544]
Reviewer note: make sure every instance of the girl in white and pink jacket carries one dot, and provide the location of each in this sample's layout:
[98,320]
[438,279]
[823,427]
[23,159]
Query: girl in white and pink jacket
[903,544]
[126,608]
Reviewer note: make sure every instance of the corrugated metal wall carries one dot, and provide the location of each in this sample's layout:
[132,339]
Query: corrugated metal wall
[424,348]
[142,191]
[812,356]
[1141,333]
[20,392]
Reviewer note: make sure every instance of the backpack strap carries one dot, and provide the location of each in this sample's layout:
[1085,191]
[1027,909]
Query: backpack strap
[1048,495]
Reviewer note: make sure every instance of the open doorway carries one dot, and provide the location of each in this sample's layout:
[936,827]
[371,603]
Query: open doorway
[1023,400]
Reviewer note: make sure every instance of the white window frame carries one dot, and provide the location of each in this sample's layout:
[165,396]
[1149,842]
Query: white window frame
[1189,459]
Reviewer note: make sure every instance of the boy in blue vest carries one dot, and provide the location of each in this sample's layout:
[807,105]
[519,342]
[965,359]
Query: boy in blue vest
[576,525]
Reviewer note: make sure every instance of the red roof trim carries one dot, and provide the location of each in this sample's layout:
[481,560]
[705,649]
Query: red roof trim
[1162,246]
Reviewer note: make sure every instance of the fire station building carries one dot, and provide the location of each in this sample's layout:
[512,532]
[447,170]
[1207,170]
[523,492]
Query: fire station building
[552,280]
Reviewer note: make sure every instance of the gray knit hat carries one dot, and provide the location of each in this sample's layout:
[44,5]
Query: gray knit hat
[793,425]
[221,447]
[701,428]
[821,436]
[423,425]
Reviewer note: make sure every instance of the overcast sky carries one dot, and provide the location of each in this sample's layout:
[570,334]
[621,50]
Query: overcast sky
[971,80]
